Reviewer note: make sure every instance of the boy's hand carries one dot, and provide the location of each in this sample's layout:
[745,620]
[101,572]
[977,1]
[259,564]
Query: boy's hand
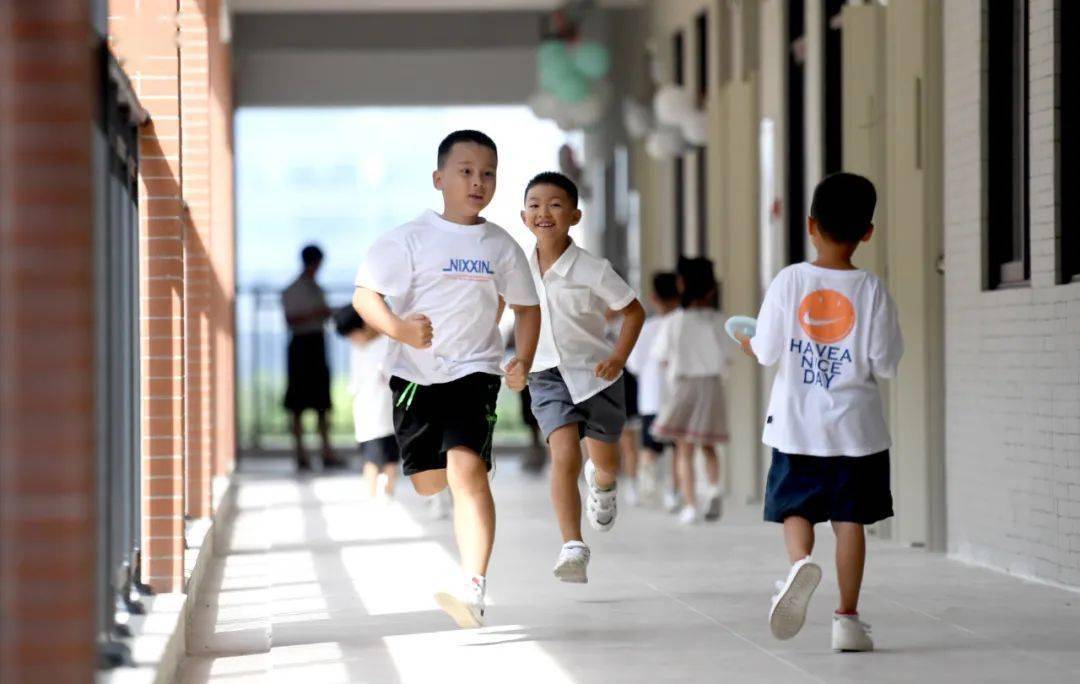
[516,374]
[744,342]
[610,369]
[416,331]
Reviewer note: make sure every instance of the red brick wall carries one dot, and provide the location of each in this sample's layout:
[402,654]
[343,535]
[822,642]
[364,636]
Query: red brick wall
[199,282]
[46,342]
[144,36]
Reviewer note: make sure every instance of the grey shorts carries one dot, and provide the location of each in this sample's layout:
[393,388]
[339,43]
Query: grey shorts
[601,416]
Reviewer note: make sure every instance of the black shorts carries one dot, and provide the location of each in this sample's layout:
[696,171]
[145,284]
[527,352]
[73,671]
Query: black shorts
[820,488]
[381,451]
[647,440]
[631,384]
[308,374]
[429,420]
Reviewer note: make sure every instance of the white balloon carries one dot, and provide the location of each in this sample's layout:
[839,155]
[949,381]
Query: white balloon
[665,142]
[695,128]
[544,105]
[673,104]
[637,118]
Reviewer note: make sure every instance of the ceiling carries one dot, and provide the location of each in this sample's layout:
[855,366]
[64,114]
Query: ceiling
[322,6]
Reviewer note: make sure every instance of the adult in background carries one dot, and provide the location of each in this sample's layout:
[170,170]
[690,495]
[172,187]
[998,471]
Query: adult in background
[306,311]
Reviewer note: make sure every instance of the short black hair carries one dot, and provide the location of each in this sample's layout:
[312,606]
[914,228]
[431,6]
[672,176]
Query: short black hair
[558,180]
[697,280]
[311,254]
[843,206]
[463,136]
[665,285]
[347,319]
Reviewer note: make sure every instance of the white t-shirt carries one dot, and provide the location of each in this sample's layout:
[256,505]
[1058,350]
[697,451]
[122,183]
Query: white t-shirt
[454,275]
[303,296]
[834,333]
[373,410]
[692,344]
[652,385]
[575,293]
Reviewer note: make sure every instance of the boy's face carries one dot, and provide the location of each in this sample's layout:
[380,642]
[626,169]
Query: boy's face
[549,213]
[467,178]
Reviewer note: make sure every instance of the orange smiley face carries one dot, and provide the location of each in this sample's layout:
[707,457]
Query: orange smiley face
[826,316]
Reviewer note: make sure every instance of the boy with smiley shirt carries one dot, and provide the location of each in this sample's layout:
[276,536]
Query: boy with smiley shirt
[833,331]
[445,278]
[577,385]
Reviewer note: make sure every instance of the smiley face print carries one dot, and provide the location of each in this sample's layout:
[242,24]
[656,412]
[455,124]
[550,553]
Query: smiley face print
[826,316]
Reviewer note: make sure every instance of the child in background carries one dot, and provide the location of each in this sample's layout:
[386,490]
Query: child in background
[651,384]
[691,346]
[833,330]
[577,387]
[373,412]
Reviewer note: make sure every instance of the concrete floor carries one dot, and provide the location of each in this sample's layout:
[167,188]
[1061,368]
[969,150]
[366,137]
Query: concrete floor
[321,586]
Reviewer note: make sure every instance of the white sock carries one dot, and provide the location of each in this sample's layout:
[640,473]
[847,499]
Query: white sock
[480,581]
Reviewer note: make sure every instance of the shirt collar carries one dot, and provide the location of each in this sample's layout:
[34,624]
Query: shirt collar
[562,264]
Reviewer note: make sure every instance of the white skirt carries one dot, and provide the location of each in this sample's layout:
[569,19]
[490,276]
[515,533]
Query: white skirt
[695,412]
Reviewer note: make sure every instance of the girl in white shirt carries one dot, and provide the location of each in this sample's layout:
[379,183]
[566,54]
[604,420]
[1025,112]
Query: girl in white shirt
[691,346]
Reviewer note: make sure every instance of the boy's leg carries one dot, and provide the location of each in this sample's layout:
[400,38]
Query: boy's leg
[371,476]
[429,482]
[329,457]
[474,508]
[565,448]
[298,439]
[798,537]
[684,455]
[390,472]
[605,456]
[628,443]
[850,561]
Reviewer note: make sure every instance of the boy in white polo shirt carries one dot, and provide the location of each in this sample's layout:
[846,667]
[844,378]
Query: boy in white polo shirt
[577,389]
[833,330]
[444,277]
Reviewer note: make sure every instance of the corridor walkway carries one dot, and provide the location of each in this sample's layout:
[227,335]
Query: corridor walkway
[319,586]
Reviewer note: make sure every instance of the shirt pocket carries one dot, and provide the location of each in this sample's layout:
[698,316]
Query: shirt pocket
[576,300]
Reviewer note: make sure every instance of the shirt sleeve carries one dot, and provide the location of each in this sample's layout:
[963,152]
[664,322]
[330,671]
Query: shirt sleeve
[514,281]
[768,339]
[886,340]
[611,288]
[387,268]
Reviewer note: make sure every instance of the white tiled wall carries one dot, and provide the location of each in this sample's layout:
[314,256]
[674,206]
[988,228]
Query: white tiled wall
[1012,357]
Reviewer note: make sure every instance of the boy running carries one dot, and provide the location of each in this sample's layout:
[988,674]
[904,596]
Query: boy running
[577,389]
[444,277]
[833,330]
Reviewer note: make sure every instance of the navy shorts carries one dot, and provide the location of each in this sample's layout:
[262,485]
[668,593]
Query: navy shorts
[647,440]
[837,488]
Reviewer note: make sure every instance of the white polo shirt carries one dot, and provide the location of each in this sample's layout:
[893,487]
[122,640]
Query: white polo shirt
[652,383]
[453,274]
[832,334]
[574,294]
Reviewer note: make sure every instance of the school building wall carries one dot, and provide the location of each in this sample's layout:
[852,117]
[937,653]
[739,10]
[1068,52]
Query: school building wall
[1012,356]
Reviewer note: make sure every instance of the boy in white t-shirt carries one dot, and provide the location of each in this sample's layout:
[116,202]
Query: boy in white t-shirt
[373,405]
[576,384]
[833,330]
[444,278]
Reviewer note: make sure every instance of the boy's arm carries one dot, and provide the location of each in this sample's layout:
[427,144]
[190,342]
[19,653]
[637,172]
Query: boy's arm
[414,330]
[526,335]
[633,318]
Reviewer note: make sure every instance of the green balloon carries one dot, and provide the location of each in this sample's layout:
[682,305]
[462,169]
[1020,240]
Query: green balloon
[592,59]
[572,88]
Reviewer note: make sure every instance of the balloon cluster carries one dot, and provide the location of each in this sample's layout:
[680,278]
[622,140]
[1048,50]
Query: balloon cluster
[572,91]
[671,125]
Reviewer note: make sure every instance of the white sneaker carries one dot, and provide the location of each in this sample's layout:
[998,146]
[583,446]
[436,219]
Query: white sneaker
[672,502]
[440,505]
[600,507]
[715,508]
[689,515]
[788,612]
[849,633]
[466,608]
[573,563]
[382,488]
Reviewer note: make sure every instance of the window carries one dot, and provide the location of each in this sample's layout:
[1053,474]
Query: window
[678,55]
[795,190]
[1068,142]
[1007,261]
